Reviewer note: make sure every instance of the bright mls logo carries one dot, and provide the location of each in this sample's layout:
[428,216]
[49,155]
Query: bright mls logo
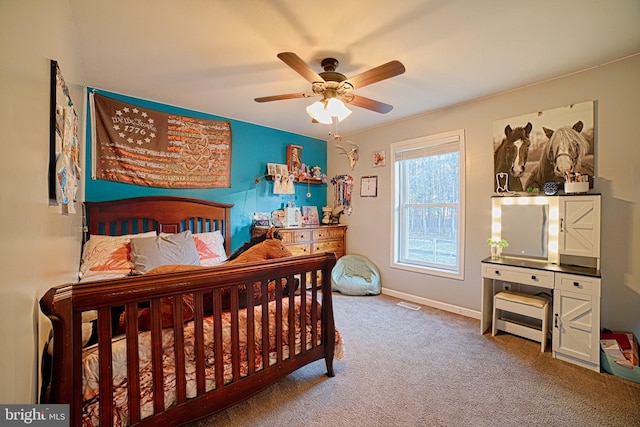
[37,415]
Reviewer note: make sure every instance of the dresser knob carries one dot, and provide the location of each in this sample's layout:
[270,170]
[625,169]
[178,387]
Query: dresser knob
[497,272]
[576,284]
[534,278]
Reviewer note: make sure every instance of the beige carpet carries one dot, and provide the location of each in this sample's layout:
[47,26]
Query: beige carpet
[433,368]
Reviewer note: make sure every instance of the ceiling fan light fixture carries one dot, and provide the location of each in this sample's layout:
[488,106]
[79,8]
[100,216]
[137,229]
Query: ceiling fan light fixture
[323,111]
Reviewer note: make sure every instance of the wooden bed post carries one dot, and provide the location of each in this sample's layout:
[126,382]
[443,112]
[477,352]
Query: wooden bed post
[329,331]
[57,305]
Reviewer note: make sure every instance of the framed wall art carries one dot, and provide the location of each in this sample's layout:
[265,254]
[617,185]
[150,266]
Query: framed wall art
[369,186]
[294,158]
[379,158]
[541,147]
[64,150]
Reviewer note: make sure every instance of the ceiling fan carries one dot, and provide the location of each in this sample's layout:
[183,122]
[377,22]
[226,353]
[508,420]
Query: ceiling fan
[333,85]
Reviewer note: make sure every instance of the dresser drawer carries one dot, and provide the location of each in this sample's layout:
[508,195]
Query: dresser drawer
[331,246]
[293,236]
[299,249]
[328,233]
[526,276]
[579,284]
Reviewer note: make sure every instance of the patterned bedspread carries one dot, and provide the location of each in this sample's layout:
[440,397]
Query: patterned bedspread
[90,362]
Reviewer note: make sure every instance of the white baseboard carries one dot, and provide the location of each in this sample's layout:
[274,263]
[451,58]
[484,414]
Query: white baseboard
[431,303]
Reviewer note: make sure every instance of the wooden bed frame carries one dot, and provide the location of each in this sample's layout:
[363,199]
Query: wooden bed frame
[65,304]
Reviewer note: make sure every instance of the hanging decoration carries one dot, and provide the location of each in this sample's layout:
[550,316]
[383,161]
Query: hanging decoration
[352,152]
[64,150]
[343,189]
[283,184]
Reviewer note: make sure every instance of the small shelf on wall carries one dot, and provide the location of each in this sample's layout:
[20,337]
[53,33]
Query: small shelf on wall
[314,181]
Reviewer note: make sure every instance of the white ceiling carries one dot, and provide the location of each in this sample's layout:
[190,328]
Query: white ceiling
[216,56]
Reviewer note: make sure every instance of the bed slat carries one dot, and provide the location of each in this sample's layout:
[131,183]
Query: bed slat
[106,367]
[156,356]
[178,349]
[251,333]
[217,338]
[235,335]
[278,320]
[133,373]
[199,343]
[265,328]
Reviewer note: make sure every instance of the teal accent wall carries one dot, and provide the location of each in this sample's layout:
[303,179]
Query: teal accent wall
[252,147]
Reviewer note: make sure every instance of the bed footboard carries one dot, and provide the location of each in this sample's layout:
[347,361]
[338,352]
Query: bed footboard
[208,337]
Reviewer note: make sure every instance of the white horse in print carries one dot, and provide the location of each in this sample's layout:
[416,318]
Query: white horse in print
[563,153]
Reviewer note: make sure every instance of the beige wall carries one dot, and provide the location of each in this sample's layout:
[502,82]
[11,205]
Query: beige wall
[615,87]
[39,247]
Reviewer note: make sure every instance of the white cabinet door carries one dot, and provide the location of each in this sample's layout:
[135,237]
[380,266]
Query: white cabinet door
[576,320]
[580,226]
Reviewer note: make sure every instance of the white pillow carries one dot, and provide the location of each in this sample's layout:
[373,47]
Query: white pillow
[166,249]
[108,256]
[210,248]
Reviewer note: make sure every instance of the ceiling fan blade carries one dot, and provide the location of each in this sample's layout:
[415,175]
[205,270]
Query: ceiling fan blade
[382,72]
[286,96]
[369,104]
[299,66]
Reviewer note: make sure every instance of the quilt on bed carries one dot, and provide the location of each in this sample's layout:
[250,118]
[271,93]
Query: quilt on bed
[90,362]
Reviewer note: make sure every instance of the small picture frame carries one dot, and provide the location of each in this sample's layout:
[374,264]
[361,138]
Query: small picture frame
[294,158]
[271,169]
[310,215]
[281,170]
[369,186]
[379,158]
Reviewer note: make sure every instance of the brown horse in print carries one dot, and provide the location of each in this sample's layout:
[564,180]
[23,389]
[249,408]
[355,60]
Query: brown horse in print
[511,155]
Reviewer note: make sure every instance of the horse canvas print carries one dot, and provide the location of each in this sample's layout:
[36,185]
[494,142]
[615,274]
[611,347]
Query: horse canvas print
[546,146]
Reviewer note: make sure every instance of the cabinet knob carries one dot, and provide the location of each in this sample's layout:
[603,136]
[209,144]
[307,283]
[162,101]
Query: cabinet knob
[534,278]
[497,272]
[576,284]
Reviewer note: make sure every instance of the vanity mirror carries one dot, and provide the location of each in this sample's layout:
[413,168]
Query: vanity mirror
[529,224]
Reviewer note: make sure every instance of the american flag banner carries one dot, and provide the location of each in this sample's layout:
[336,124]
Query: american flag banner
[137,145]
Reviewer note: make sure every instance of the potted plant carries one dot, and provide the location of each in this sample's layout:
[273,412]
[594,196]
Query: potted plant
[496,247]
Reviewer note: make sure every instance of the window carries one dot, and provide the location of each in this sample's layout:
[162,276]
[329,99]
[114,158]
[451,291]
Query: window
[428,210]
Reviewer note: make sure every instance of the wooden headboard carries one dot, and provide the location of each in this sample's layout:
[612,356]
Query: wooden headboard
[168,214]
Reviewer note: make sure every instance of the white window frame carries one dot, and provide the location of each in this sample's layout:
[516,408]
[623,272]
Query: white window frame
[430,145]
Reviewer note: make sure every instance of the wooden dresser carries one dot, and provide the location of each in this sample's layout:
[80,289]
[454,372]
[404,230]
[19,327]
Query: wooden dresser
[311,239]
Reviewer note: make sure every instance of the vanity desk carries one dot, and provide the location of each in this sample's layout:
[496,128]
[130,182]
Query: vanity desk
[567,228]
[575,318]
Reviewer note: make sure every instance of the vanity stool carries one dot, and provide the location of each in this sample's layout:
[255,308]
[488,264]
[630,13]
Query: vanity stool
[532,306]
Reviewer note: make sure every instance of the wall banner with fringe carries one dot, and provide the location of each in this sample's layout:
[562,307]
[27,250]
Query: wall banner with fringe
[137,145]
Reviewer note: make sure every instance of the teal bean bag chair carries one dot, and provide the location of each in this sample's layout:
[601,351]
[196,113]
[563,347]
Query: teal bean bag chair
[355,275]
